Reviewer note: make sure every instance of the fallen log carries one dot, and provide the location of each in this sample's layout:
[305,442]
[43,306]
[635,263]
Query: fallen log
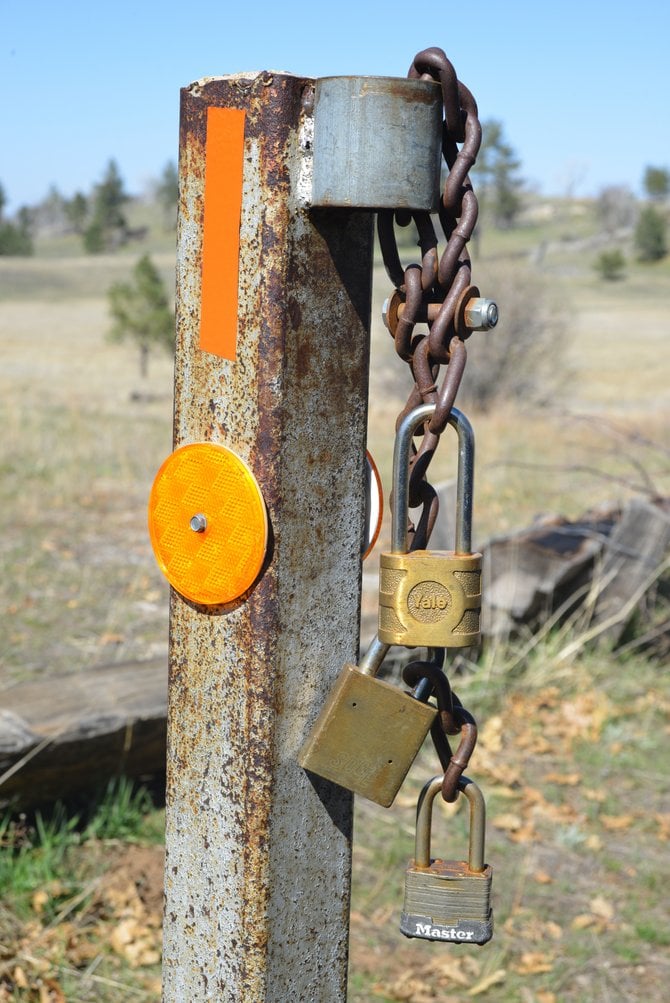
[530,574]
[635,553]
[67,735]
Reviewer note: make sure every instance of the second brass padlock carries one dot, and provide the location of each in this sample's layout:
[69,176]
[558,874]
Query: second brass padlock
[368,733]
[431,597]
[449,899]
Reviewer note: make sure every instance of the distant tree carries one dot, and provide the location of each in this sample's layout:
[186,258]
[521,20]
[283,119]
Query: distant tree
[615,208]
[50,212]
[109,197]
[25,219]
[94,238]
[610,265]
[16,239]
[497,176]
[650,235]
[140,311]
[167,194]
[656,183]
[76,212]
[108,226]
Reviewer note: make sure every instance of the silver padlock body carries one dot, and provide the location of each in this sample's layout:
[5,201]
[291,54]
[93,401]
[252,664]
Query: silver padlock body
[377,143]
[448,902]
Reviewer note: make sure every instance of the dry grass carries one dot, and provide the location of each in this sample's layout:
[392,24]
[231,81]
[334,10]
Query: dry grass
[602,438]
[79,585]
[78,456]
[578,830]
[580,886]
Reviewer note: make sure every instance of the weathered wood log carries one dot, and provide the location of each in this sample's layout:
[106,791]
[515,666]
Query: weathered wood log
[66,735]
[636,549]
[530,574]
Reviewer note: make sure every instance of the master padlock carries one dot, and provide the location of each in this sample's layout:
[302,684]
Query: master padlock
[368,733]
[431,597]
[449,899]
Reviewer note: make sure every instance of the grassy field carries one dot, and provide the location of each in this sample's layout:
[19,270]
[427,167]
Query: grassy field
[572,742]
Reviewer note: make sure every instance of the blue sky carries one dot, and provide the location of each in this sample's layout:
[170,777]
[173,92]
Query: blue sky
[583,89]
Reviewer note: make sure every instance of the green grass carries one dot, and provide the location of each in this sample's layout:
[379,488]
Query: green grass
[651,933]
[33,856]
[121,812]
[38,852]
[73,915]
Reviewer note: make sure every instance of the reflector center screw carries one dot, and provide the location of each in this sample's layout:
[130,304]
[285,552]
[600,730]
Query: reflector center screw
[198,523]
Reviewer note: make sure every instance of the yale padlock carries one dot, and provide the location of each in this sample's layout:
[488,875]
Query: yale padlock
[431,597]
[368,733]
[449,899]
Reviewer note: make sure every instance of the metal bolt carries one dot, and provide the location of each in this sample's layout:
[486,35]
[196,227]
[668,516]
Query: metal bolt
[481,314]
[198,523]
[385,312]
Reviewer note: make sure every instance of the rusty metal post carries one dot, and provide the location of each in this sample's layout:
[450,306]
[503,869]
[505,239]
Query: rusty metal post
[258,853]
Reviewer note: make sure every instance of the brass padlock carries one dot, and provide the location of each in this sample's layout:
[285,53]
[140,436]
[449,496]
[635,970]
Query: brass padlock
[431,597]
[449,899]
[368,733]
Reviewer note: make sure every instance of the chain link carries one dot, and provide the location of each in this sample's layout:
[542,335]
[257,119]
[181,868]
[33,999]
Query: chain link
[452,719]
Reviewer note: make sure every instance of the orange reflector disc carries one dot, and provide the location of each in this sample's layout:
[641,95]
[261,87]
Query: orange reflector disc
[208,523]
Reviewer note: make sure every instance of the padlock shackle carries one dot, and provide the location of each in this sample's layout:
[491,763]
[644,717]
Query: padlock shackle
[465,477]
[371,661]
[465,480]
[424,818]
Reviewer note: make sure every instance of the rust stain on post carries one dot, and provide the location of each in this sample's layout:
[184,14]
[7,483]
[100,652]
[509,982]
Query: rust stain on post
[258,854]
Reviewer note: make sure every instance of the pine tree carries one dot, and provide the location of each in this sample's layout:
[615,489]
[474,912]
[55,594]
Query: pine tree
[140,311]
[16,239]
[496,175]
[108,227]
[650,238]
[76,211]
[656,183]
[610,265]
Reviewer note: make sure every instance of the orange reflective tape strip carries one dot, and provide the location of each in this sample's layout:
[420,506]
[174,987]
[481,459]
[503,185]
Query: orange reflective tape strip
[224,168]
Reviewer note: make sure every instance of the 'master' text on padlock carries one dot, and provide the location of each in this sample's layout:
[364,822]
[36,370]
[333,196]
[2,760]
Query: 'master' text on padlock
[442,932]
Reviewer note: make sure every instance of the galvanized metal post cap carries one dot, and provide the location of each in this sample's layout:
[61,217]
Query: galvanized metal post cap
[377,143]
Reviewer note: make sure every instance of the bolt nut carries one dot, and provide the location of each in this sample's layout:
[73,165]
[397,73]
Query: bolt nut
[481,314]
[392,310]
[385,312]
[198,523]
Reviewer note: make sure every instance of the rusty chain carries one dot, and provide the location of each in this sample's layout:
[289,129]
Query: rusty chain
[438,293]
[452,719]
